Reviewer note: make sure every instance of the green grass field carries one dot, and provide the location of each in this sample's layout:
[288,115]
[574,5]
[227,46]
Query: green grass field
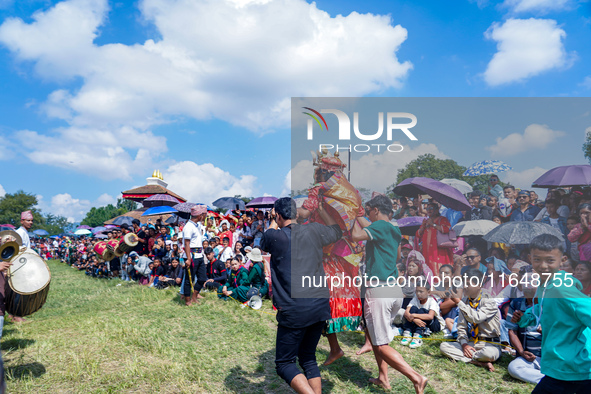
[93,336]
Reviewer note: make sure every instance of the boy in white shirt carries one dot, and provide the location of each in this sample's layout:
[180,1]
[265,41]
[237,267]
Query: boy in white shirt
[421,314]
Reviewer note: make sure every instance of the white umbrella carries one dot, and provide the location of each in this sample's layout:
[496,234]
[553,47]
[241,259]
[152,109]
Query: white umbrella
[474,227]
[463,187]
[82,231]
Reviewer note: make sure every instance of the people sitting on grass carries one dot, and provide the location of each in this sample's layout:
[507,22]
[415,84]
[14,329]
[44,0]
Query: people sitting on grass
[217,271]
[422,316]
[238,277]
[447,306]
[527,341]
[157,271]
[478,326]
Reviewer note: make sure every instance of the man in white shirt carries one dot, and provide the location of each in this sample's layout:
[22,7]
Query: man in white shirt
[195,273]
[23,230]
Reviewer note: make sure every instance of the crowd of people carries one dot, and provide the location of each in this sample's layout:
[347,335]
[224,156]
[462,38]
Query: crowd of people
[483,296]
[232,267]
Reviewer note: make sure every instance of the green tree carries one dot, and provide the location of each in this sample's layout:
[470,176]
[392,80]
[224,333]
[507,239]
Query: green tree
[55,224]
[429,166]
[97,216]
[127,205]
[587,146]
[11,206]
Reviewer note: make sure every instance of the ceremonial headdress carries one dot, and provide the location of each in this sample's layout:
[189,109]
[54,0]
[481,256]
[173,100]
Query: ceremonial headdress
[325,161]
[27,215]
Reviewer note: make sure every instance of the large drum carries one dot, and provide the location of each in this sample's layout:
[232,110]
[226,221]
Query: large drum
[129,241]
[112,246]
[28,283]
[101,249]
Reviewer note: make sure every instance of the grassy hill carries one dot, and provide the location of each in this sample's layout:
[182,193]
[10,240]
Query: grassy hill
[100,336]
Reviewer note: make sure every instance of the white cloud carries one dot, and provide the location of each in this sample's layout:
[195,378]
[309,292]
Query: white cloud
[522,179]
[6,149]
[586,82]
[73,209]
[205,183]
[535,136]
[236,60]
[375,172]
[107,154]
[541,6]
[2,191]
[525,48]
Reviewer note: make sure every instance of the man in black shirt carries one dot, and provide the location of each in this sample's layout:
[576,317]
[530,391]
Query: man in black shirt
[217,274]
[296,253]
[142,246]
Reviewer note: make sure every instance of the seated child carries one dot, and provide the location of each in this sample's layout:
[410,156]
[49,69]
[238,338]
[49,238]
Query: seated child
[217,271]
[238,276]
[564,315]
[528,340]
[478,326]
[173,275]
[442,293]
[421,314]
[157,272]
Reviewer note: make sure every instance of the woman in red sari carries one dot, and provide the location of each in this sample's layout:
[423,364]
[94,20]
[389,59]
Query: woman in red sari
[427,233]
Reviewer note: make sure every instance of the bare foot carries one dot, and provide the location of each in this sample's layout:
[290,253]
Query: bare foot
[366,348]
[334,357]
[378,382]
[17,319]
[488,365]
[420,386]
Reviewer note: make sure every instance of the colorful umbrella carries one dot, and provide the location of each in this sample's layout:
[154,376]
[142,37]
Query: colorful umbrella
[159,211]
[262,202]
[462,186]
[84,227]
[520,233]
[229,203]
[474,227]
[442,193]
[7,225]
[40,232]
[82,231]
[99,229]
[487,167]
[122,219]
[410,225]
[100,236]
[565,176]
[158,200]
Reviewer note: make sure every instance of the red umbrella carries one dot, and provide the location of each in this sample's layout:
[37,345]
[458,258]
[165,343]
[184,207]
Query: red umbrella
[7,225]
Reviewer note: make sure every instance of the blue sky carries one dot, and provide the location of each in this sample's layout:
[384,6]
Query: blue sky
[96,94]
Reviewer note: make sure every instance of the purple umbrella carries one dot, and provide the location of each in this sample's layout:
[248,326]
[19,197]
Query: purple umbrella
[108,226]
[159,200]
[565,176]
[262,202]
[442,193]
[84,227]
[99,229]
[410,225]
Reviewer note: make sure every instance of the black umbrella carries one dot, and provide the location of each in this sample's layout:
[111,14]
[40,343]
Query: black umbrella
[520,233]
[123,220]
[230,203]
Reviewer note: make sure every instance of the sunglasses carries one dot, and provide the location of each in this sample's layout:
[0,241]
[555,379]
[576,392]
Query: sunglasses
[471,257]
[520,197]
